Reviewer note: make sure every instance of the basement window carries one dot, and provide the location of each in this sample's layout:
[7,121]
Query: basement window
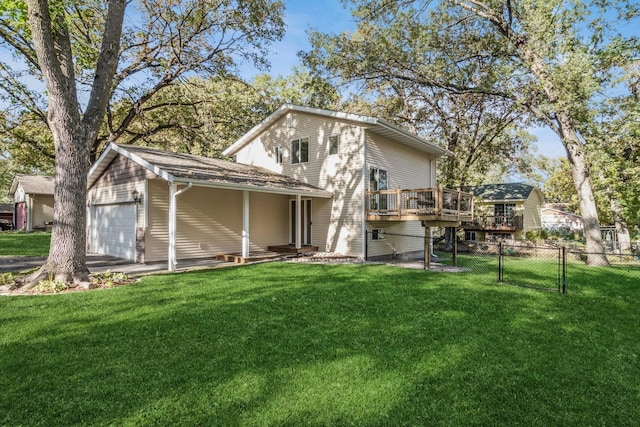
[377,234]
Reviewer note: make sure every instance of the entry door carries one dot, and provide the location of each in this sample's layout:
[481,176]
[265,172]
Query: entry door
[21,216]
[305,212]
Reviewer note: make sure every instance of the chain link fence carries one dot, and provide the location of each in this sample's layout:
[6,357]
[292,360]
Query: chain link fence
[549,267]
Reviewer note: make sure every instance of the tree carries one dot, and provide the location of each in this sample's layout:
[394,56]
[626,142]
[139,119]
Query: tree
[74,47]
[550,59]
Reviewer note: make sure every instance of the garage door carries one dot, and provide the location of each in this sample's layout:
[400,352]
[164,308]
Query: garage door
[113,231]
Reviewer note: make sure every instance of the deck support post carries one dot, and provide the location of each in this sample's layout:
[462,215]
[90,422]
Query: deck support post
[454,256]
[245,224]
[427,246]
[298,221]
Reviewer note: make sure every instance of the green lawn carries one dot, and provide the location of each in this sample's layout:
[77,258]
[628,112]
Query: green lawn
[295,344]
[24,244]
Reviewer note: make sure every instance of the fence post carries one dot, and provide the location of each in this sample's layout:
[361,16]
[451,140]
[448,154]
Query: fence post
[500,262]
[564,270]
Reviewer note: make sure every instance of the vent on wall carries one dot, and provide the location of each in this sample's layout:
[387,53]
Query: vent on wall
[289,121]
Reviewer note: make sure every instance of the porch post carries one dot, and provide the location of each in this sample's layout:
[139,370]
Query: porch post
[298,221]
[245,224]
[172,226]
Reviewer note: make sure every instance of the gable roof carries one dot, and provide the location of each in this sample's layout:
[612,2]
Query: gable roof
[377,126]
[32,184]
[503,192]
[181,168]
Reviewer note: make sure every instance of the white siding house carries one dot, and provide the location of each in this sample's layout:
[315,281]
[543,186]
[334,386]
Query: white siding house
[303,178]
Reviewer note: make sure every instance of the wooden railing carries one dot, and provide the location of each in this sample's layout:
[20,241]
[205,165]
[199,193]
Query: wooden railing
[427,204]
[496,222]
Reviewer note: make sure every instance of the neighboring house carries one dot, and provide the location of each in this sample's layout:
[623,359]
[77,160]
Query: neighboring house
[556,220]
[505,211]
[32,202]
[304,177]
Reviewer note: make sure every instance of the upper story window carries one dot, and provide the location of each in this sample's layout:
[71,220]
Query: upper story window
[300,150]
[278,153]
[334,144]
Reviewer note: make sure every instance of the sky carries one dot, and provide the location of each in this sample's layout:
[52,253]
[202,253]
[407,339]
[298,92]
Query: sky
[331,16]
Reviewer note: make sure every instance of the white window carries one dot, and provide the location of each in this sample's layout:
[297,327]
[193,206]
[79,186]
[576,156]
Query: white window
[470,236]
[300,150]
[378,182]
[334,144]
[278,154]
[377,234]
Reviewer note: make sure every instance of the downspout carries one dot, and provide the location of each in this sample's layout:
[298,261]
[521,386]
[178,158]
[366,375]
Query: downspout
[173,210]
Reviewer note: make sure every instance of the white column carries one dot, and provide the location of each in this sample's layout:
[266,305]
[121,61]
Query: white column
[172,226]
[245,224]
[298,221]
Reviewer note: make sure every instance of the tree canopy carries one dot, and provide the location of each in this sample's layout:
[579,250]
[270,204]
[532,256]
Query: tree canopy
[550,61]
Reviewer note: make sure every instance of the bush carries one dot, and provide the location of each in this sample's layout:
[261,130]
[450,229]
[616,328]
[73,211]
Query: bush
[51,286]
[6,279]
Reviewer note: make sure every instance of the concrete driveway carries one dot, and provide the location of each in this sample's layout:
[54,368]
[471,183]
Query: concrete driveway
[101,263]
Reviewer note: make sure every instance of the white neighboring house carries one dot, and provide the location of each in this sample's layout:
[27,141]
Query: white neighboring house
[32,202]
[560,221]
[303,178]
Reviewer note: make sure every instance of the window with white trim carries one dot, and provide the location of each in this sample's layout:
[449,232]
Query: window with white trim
[278,154]
[300,150]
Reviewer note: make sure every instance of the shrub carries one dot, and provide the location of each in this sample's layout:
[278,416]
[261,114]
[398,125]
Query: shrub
[6,279]
[51,286]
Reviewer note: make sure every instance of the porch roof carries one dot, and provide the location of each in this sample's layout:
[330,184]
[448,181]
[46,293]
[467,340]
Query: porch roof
[179,168]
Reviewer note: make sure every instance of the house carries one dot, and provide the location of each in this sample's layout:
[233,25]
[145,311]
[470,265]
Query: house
[560,221]
[303,178]
[32,202]
[505,211]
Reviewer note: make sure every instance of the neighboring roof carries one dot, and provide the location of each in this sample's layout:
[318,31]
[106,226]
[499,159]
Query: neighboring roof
[558,211]
[32,184]
[378,126]
[502,192]
[6,208]
[204,171]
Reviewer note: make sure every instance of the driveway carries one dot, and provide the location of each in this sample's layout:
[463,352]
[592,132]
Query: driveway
[101,263]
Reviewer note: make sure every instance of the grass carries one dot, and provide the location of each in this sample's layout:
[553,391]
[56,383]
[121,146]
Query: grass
[294,344]
[24,244]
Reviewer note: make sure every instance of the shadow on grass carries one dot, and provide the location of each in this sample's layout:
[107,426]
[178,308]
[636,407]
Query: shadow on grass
[282,344]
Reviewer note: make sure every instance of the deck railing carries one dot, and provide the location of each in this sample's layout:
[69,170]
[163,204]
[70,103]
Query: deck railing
[495,222]
[437,203]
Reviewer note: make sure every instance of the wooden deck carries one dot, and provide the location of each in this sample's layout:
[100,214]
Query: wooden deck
[437,206]
[272,252]
[253,257]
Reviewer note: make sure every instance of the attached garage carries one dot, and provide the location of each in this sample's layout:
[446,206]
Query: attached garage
[113,230]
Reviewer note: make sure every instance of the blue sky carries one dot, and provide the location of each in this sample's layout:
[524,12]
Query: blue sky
[332,17]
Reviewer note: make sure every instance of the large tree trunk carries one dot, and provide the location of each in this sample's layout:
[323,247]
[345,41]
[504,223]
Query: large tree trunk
[72,132]
[582,182]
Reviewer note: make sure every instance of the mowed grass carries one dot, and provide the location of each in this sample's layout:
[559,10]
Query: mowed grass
[294,344]
[24,244]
